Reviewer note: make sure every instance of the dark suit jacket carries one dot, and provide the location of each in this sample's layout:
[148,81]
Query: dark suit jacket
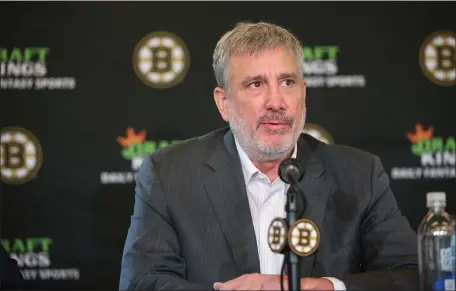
[192,225]
[10,274]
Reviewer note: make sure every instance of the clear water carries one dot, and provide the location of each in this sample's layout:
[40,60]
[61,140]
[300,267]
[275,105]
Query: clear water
[436,244]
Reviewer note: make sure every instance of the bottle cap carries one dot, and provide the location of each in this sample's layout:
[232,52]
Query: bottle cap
[436,199]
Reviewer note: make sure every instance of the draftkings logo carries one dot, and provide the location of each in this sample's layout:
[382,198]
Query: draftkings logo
[318,132]
[321,69]
[21,156]
[26,68]
[438,58]
[134,148]
[161,60]
[437,156]
[33,256]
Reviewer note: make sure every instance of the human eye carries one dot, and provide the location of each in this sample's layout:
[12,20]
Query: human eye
[288,82]
[255,84]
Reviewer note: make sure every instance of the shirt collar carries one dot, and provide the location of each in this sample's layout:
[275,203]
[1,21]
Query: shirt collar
[248,168]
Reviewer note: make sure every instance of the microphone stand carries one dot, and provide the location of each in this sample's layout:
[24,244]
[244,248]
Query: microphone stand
[290,173]
[293,265]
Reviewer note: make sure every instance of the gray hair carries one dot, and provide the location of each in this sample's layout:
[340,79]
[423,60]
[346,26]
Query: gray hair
[253,38]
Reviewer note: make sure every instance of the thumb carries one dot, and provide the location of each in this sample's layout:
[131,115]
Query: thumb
[217,285]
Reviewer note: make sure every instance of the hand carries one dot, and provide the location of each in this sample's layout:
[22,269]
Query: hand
[251,282]
[271,282]
[315,284]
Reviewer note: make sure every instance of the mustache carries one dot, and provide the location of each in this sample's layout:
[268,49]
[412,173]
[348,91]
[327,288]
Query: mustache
[275,117]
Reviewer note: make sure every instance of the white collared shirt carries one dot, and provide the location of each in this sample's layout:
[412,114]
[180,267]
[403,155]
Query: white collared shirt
[267,201]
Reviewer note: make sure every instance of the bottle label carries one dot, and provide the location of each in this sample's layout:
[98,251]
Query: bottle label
[446,259]
[453,249]
[449,284]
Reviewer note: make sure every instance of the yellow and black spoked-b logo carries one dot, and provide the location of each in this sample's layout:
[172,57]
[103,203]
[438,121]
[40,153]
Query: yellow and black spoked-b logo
[20,155]
[438,58]
[304,237]
[277,235]
[161,60]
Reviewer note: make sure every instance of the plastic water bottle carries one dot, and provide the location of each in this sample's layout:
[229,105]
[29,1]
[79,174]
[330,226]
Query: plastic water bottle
[436,245]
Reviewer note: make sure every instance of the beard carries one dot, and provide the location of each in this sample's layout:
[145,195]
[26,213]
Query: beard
[258,149]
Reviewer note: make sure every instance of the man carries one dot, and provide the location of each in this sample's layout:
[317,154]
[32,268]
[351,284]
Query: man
[203,206]
[10,274]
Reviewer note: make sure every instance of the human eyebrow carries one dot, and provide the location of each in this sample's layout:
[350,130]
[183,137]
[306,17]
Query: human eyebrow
[287,76]
[249,79]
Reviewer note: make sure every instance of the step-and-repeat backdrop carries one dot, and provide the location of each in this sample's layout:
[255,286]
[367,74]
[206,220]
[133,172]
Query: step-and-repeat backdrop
[88,89]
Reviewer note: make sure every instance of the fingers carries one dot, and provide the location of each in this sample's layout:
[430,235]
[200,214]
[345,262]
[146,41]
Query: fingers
[217,285]
[229,285]
[225,286]
[243,282]
[316,284]
[307,284]
[250,282]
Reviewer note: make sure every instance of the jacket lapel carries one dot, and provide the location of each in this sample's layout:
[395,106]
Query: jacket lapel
[226,191]
[316,186]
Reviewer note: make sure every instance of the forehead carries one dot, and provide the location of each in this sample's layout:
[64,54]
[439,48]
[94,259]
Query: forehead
[269,61]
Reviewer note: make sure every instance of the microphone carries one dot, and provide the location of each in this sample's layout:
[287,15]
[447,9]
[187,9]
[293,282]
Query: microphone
[293,236]
[290,172]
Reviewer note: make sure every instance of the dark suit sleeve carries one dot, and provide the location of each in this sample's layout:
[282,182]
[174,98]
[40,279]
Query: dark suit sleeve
[10,274]
[389,244]
[151,257]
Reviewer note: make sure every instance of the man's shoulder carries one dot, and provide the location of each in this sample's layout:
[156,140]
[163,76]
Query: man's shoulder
[339,151]
[195,148]
[339,158]
[350,168]
[344,152]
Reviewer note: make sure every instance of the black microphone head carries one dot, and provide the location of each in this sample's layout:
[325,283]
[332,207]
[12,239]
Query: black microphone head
[290,171]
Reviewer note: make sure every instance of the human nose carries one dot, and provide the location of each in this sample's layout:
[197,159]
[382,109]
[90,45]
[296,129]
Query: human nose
[274,99]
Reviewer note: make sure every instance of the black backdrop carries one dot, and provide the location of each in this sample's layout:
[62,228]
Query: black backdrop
[67,224]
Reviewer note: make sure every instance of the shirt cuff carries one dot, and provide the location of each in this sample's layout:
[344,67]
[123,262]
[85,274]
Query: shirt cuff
[338,284]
